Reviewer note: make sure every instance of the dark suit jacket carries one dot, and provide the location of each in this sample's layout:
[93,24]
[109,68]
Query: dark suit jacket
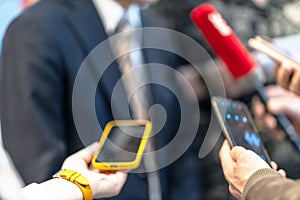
[42,52]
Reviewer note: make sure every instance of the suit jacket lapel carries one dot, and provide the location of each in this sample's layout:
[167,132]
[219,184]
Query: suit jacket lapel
[89,31]
[85,24]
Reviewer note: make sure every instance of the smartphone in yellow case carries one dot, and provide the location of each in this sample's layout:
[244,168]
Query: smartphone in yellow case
[122,145]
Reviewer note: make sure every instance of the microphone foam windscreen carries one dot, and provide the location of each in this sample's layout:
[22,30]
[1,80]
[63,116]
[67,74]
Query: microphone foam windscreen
[223,40]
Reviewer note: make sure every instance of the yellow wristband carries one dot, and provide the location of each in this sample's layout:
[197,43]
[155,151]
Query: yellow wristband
[77,179]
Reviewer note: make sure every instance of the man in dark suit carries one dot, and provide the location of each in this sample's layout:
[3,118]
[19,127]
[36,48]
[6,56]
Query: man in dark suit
[42,52]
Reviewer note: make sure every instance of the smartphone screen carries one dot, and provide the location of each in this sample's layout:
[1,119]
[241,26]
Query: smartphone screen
[238,126]
[121,144]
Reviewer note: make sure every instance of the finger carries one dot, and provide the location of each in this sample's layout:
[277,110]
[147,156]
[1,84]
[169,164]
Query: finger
[117,175]
[87,153]
[234,191]
[276,68]
[270,121]
[225,157]
[236,152]
[224,152]
[110,185]
[122,176]
[285,105]
[282,172]
[295,83]
[283,76]
[258,107]
[274,165]
[93,147]
[275,105]
[275,90]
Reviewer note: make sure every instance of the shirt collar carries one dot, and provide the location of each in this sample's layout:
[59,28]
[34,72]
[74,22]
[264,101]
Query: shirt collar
[111,13]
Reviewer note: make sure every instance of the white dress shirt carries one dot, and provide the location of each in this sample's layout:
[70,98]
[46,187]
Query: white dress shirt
[111,13]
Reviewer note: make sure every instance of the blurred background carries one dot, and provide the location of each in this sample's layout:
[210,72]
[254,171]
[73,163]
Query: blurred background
[247,17]
[9,9]
[275,18]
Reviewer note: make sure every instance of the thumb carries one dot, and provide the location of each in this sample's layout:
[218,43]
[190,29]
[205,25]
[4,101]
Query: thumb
[236,152]
[92,148]
[88,152]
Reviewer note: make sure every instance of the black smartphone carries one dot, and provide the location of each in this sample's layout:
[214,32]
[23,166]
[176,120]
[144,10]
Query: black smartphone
[237,125]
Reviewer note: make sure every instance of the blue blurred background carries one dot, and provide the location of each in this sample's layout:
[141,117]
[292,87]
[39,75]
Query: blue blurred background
[8,10]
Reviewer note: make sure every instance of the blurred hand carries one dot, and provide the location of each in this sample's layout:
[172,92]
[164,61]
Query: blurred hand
[238,165]
[284,102]
[103,184]
[288,77]
[280,101]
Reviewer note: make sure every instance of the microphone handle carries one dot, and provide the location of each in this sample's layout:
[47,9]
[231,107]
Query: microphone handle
[281,119]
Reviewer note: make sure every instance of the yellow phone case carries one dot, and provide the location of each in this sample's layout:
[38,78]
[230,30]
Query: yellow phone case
[112,166]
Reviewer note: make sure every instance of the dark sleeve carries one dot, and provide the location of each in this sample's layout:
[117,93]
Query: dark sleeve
[31,97]
[268,184]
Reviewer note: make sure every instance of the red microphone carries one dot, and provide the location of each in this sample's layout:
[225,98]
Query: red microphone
[223,40]
[238,60]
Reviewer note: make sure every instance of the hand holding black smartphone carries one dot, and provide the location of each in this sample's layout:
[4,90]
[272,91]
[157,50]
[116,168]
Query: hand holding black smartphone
[262,45]
[237,125]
